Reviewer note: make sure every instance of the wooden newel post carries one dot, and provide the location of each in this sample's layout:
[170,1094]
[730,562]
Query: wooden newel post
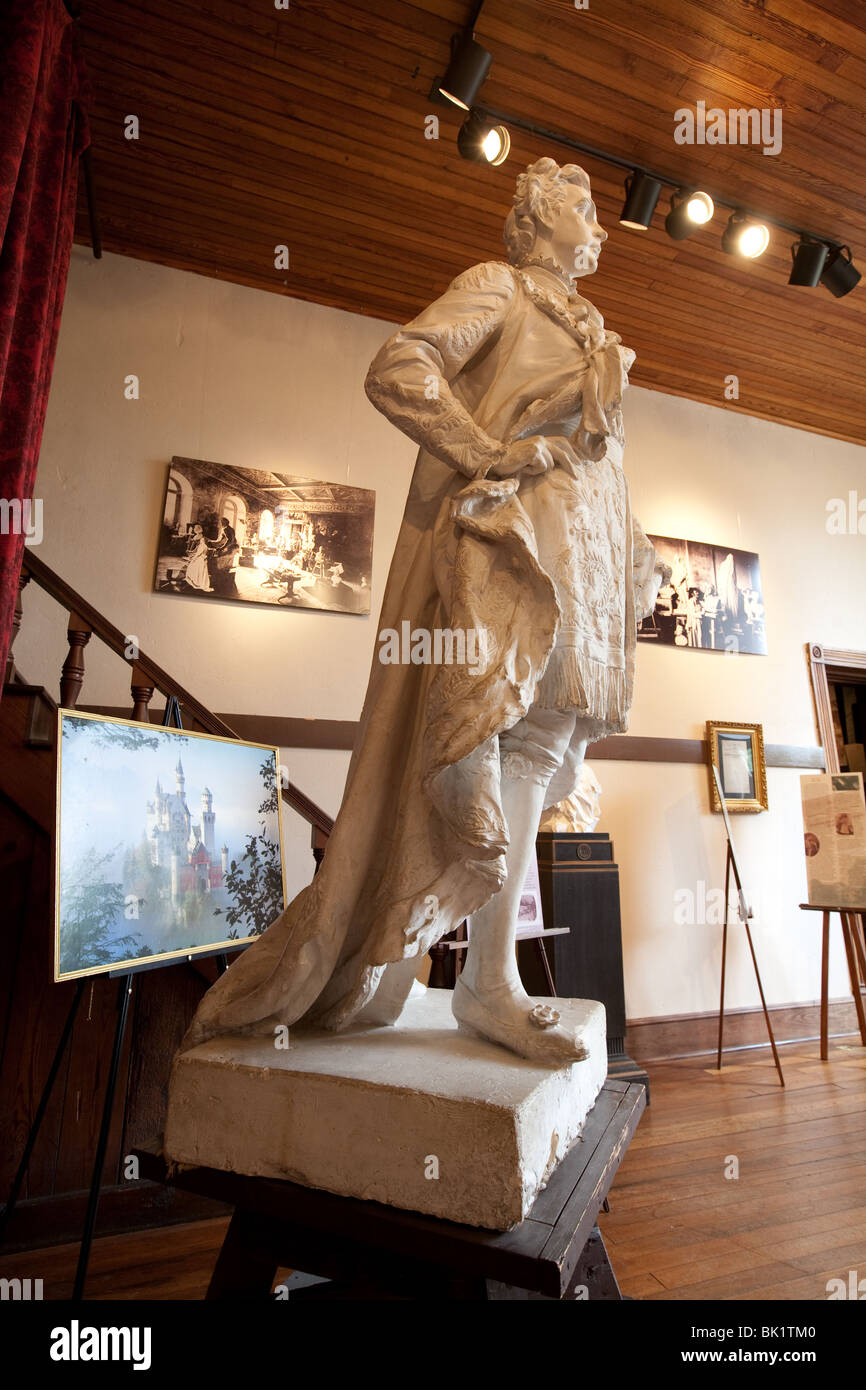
[72,674]
[319,843]
[23,579]
[142,694]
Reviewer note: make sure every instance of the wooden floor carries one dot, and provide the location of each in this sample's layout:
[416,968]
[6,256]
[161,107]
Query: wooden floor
[678,1227]
[796,1215]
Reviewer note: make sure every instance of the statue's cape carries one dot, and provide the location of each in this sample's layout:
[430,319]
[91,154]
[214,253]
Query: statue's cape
[419,842]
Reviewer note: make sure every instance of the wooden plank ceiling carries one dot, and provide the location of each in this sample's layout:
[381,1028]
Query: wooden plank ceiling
[305,126]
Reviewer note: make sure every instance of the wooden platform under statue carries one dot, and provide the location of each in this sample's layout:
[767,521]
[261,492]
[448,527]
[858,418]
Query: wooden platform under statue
[352,1249]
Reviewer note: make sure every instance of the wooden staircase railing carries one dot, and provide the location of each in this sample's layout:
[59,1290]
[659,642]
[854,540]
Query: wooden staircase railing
[146,678]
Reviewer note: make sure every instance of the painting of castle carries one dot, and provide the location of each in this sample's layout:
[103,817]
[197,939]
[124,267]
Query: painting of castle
[181,845]
[154,864]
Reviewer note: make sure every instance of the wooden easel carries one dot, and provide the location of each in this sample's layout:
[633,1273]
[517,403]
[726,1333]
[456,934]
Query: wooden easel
[745,913]
[855,952]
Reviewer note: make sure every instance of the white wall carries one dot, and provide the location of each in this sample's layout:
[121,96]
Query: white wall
[261,381]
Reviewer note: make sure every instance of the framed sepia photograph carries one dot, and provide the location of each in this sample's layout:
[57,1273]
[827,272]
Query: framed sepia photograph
[737,752]
[249,536]
[167,844]
[713,601]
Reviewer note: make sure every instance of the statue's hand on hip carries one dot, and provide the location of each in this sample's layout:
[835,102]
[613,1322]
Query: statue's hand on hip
[537,454]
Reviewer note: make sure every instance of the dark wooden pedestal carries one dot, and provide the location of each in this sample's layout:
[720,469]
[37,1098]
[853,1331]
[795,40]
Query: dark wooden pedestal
[364,1250]
[580,891]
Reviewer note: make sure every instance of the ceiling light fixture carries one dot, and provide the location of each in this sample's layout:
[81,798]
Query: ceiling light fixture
[839,275]
[464,77]
[689,210]
[483,140]
[642,193]
[743,236]
[809,258]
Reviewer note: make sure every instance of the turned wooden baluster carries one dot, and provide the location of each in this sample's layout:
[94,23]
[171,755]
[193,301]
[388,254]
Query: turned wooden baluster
[142,694]
[320,844]
[16,624]
[72,675]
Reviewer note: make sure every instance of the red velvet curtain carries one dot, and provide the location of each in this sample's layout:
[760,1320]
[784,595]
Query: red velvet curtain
[43,130]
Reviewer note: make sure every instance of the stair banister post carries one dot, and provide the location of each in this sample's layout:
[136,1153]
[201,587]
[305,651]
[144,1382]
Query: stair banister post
[72,674]
[142,690]
[319,842]
[23,578]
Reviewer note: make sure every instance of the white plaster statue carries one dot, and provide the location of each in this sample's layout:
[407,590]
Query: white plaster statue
[579,811]
[518,526]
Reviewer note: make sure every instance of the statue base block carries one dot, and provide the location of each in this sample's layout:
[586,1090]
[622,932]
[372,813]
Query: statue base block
[416,1115]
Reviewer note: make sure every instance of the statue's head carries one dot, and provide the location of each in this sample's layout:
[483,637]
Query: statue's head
[554,219]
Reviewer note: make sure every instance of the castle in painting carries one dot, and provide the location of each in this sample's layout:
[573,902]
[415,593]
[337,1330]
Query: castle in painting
[181,845]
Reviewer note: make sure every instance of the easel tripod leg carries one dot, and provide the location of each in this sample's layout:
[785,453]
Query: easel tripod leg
[545,965]
[856,933]
[847,937]
[764,1005]
[18,1180]
[825,977]
[96,1178]
[724,955]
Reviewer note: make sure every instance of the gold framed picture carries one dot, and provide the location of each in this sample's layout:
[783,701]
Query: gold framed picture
[737,751]
[168,844]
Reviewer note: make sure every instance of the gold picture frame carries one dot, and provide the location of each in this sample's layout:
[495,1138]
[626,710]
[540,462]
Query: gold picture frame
[737,752]
[144,882]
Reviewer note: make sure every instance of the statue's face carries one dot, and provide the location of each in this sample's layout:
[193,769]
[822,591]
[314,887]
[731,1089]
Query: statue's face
[576,237]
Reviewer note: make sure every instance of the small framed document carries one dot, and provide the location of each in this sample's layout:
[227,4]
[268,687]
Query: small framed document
[834,838]
[737,750]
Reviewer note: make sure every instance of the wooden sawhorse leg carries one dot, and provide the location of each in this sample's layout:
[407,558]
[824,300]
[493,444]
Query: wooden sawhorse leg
[245,1267]
[593,1279]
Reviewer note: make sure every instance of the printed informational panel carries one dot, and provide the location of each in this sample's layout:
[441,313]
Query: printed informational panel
[168,844]
[529,918]
[834,821]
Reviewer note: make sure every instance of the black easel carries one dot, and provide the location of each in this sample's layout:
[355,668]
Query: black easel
[171,716]
[123,998]
[18,1180]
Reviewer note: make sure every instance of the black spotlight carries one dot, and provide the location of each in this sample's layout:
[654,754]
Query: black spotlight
[483,140]
[743,236]
[470,64]
[809,258]
[839,274]
[642,193]
[689,210]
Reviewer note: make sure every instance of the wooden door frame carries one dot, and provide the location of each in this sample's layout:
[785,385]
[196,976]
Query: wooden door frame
[828,664]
